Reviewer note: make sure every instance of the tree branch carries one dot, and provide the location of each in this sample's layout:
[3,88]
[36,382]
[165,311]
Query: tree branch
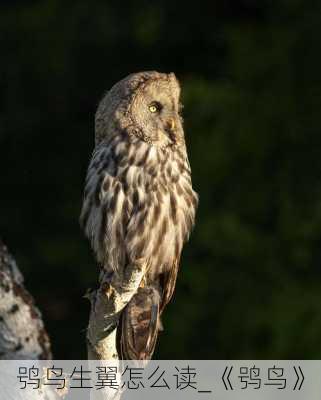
[22,332]
[107,302]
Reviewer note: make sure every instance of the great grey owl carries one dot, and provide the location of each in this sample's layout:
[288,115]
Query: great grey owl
[139,205]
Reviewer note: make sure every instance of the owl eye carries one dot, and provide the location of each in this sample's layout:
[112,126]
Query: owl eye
[154,107]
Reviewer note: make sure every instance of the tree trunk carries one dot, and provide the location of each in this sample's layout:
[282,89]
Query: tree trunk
[22,332]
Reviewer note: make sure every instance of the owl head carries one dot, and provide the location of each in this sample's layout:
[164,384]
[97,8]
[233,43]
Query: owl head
[144,104]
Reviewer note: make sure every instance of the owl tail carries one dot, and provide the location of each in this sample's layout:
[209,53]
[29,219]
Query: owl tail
[139,325]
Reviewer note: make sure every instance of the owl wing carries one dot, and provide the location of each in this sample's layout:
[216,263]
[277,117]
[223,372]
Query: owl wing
[106,209]
[168,283]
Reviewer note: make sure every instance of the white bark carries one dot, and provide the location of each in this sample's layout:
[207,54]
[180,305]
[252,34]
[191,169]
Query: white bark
[107,303]
[22,332]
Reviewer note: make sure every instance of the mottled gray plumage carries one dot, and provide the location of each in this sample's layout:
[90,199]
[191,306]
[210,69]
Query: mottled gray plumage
[139,205]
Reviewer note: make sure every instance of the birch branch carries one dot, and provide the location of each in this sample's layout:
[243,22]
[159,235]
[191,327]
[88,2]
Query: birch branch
[22,332]
[107,302]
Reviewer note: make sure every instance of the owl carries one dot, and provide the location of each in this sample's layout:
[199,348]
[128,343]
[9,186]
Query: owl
[139,205]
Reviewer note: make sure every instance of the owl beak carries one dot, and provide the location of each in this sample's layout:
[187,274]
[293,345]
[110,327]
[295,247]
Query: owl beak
[170,128]
[174,130]
[172,124]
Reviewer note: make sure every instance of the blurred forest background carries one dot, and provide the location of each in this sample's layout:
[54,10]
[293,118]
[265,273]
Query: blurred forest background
[250,279]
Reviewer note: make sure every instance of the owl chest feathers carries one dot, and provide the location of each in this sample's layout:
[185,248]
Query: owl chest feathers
[139,205]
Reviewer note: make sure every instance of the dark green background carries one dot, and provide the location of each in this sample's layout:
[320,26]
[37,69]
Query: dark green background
[250,281]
